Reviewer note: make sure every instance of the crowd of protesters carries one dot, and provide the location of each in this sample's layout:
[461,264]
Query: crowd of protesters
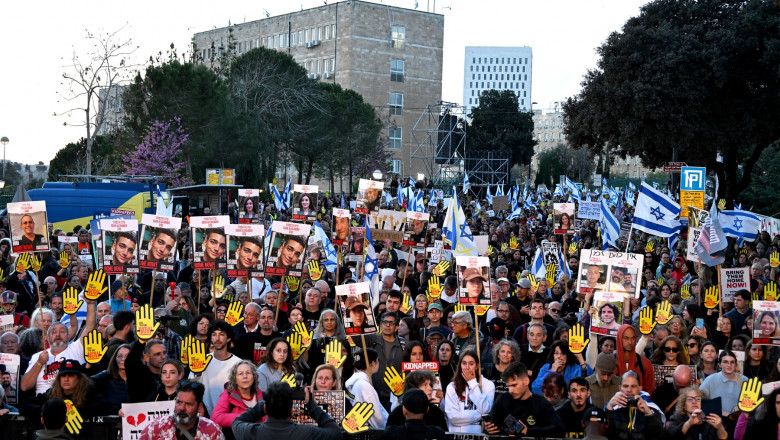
[509,372]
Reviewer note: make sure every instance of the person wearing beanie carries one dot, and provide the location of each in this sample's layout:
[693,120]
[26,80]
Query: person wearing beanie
[415,406]
[118,299]
[603,382]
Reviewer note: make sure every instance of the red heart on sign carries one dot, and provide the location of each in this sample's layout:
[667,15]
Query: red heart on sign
[141,418]
[131,420]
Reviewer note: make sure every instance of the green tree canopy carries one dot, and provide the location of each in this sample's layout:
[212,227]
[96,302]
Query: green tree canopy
[564,160]
[699,76]
[498,124]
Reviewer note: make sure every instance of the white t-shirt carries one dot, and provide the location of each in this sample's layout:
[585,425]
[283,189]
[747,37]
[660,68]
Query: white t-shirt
[48,373]
[213,379]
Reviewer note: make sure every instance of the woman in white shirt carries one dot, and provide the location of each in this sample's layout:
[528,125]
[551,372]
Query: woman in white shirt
[361,389]
[469,396]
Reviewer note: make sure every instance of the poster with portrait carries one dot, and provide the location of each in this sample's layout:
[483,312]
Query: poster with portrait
[610,271]
[9,369]
[416,228]
[158,241]
[305,201]
[248,205]
[766,323]
[357,240]
[208,241]
[332,402]
[609,315]
[29,226]
[245,250]
[340,229]
[286,248]
[369,196]
[733,279]
[473,280]
[357,312]
[120,243]
[387,225]
[563,218]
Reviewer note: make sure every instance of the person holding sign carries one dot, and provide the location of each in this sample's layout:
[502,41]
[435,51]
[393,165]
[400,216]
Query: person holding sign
[73,384]
[185,418]
[766,428]
[277,406]
[360,388]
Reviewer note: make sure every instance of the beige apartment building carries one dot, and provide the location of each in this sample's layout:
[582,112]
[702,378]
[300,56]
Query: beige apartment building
[391,56]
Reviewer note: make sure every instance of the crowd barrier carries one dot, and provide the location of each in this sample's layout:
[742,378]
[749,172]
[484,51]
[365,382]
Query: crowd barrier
[15,427]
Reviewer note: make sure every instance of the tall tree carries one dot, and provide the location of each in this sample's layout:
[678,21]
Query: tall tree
[91,82]
[563,160]
[498,124]
[698,76]
[160,153]
[106,158]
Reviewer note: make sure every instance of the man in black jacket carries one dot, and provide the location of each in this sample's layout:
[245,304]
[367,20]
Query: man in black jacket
[533,415]
[415,406]
[277,405]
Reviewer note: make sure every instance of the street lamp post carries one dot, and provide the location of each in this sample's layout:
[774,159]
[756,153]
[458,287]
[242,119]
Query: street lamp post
[4,140]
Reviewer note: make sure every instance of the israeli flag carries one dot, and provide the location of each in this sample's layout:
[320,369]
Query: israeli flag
[419,203]
[333,261]
[711,247]
[371,266]
[740,224]
[162,209]
[412,206]
[563,268]
[433,200]
[631,186]
[537,266]
[500,190]
[558,190]
[737,206]
[456,231]
[515,214]
[488,196]
[611,227]
[572,187]
[286,195]
[656,213]
[277,197]
[604,182]
[466,183]
[630,198]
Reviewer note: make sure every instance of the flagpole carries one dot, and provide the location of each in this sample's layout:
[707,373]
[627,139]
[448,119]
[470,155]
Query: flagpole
[720,293]
[630,233]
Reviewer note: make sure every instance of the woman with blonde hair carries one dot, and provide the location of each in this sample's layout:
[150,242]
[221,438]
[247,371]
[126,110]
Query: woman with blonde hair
[326,378]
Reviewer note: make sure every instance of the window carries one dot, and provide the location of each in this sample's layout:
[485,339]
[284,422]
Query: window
[318,67]
[398,36]
[333,30]
[300,37]
[307,36]
[396,137]
[327,33]
[397,166]
[397,70]
[396,103]
[332,65]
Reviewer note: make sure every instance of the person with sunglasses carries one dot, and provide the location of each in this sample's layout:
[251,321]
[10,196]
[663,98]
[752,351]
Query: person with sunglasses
[392,357]
[670,352]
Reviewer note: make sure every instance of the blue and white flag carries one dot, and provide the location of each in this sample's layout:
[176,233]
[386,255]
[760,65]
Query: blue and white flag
[412,183]
[500,190]
[330,251]
[575,192]
[604,182]
[631,186]
[610,232]
[277,198]
[740,224]
[737,206]
[655,185]
[711,247]
[563,268]
[466,183]
[537,266]
[656,213]
[286,202]
[419,203]
[528,204]
[343,202]
[558,190]
[400,195]
[630,197]
[433,200]
[517,212]
[371,266]
[488,196]
[457,233]
[162,209]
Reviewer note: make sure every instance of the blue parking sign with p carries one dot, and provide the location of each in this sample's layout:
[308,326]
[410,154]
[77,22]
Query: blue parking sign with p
[692,178]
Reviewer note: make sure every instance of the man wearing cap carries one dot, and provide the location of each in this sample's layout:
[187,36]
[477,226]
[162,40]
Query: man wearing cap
[594,423]
[434,314]
[603,382]
[118,299]
[433,337]
[475,286]
[8,302]
[415,406]
[522,300]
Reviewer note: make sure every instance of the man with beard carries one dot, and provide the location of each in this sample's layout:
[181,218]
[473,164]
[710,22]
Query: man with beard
[574,409]
[216,373]
[44,365]
[184,423]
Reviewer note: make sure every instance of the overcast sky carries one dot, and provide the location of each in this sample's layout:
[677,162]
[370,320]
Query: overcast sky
[38,38]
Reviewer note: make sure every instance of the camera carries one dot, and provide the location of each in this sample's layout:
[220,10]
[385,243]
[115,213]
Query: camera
[631,402]
[513,426]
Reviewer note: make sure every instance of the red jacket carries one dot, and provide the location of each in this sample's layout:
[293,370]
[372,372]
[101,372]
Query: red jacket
[645,370]
[229,406]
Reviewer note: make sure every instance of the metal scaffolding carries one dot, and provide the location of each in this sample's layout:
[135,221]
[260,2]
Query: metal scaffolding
[439,143]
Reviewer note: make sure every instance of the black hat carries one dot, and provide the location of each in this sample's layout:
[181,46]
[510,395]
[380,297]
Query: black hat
[70,366]
[436,330]
[594,414]
[497,328]
[415,401]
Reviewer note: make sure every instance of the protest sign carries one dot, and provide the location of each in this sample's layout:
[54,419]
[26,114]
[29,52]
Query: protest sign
[589,210]
[610,271]
[248,205]
[286,246]
[332,402]
[158,241]
[473,280]
[120,242]
[305,202]
[245,250]
[416,228]
[433,254]
[693,238]
[369,196]
[208,241]
[29,226]
[6,323]
[356,308]
[609,316]
[766,323]
[732,280]
[482,242]
[139,415]
[500,203]
[387,225]
[357,240]
[340,230]
[563,218]
[549,252]
[11,364]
